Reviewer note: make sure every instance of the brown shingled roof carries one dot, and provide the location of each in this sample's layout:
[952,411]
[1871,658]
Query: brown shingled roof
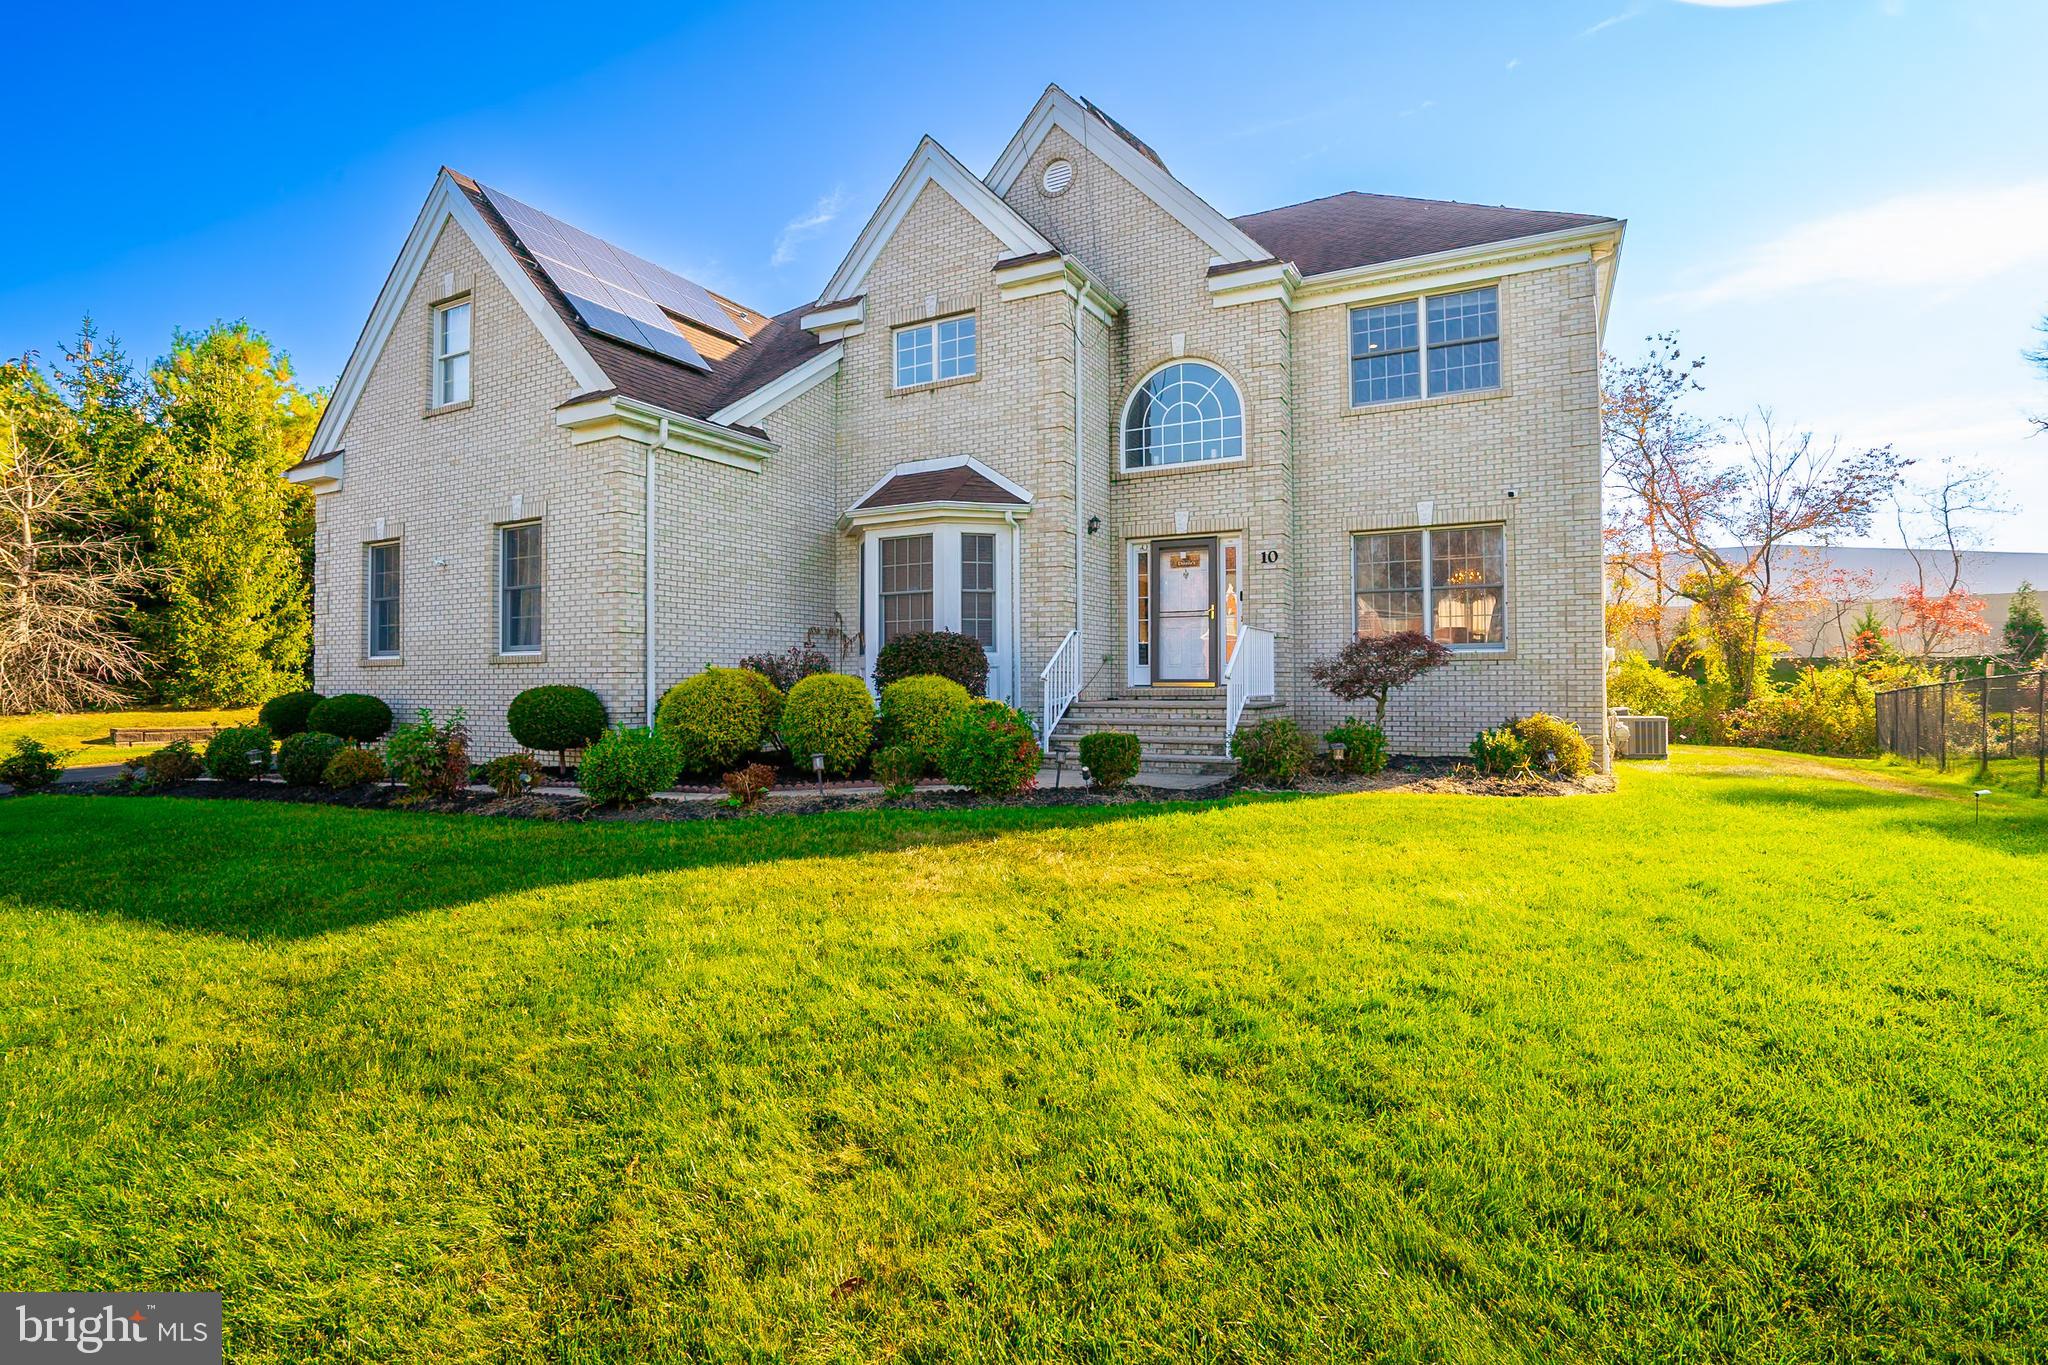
[955,483]
[1348,230]
[776,346]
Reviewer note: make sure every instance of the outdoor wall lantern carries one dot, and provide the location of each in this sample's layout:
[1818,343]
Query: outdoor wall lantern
[1094,525]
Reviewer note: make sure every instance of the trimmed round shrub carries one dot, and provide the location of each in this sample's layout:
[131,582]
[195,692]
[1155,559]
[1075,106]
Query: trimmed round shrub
[715,719]
[302,758]
[1365,746]
[353,767]
[556,717]
[354,716]
[830,714]
[947,653]
[286,715]
[1111,758]
[628,764]
[991,749]
[919,712]
[1272,753]
[897,767]
[1500,752]
[177,761]
[1555,746]
[511,775]
[771,703]
[31,766]
[238,754]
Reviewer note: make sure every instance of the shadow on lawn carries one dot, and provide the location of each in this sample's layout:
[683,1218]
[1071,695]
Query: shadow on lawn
[274,870]
[2007,825]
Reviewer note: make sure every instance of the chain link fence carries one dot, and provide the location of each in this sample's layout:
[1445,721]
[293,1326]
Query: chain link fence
[1979,722]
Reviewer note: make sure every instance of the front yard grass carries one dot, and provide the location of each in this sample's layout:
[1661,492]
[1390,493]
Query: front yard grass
[84,733]
[1746,1062]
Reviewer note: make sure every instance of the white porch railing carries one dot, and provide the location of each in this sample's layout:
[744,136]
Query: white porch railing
[1247,674]
[1061,679]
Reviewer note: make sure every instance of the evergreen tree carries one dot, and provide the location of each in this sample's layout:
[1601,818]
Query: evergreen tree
[2026,636]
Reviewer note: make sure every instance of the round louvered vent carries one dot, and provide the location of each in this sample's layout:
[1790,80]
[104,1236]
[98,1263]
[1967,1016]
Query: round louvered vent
[1058,175]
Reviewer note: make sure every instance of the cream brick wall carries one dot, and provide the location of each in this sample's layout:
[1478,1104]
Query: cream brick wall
[442,484]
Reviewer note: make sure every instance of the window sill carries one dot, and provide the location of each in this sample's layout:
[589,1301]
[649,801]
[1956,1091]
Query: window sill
[536,657]
[1440,400]
[447,408]
[382,661]
[1185,467]
[907,389]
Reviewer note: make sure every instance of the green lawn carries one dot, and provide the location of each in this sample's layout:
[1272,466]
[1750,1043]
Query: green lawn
[1748,1062]
[84,733]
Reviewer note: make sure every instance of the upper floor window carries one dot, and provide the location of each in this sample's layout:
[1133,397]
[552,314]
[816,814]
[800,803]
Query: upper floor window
[451,354]
[1449,583]
[519,588]
[933,351]
[381,600]
[1184,412]
[1427,346]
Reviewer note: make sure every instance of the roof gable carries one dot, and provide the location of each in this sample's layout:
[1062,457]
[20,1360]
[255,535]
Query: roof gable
[1131,159]
[931,164]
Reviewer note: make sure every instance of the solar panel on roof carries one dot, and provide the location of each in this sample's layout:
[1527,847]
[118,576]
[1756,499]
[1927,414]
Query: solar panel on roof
[615,292]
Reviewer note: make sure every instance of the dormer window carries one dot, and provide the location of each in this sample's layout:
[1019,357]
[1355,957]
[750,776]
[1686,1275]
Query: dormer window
[933,352]
[451,354]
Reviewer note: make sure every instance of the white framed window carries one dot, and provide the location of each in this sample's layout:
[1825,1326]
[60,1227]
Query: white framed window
[1448,582]
[380,599]
[932,351]
[1426,346]
[906,566]
[451,353]
[1184,412]
[519,588]
[978,586]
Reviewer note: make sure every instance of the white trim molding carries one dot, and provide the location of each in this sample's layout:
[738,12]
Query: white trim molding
[322,476]
[1036,275]
[617,415]
[857,517]
[932,164]
[784,389]
[446,203]
[1057,109]
[1451,269]
[840,321]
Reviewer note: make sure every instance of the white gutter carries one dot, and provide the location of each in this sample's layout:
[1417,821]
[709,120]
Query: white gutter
[647,568]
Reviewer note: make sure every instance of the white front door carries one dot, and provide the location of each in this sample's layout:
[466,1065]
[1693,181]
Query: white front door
[942,576]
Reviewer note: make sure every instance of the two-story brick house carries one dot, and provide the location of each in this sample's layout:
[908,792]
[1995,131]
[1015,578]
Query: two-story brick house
[1157,460]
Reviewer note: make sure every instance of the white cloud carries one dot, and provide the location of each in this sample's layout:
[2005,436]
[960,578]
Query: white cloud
[1610,21]
[805,226]
[1937,239]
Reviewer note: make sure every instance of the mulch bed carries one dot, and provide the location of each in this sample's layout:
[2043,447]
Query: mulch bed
[1407,775]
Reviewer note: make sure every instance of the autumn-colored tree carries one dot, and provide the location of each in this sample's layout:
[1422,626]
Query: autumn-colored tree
[1940,521]
[1869,642]
[1372,666]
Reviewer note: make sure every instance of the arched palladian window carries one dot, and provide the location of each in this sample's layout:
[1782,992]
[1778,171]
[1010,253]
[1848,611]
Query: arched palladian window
[1184,412]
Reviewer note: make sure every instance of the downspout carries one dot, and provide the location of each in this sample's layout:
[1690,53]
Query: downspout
[1016,697]
[647,569]
[1080,445]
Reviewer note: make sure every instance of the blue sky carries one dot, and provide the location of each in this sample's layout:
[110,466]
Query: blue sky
[1842,203]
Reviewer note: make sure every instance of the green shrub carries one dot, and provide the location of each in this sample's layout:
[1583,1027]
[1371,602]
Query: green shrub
[1500,752]
[1272,753]
[286,715]
[991,749]
[1111,758]
[919,712]
[31,766]
[353,767]
[897,767]
[771,703]
[352,715]
[1697,711]
[1556,748]
[238,754]
[511,775]
[830,714]
[302,758]
[1829,710]
[716,718]
[1365,746]
[556,717]
[176,762]
[431,758]
[628,764]
[746,787]
[947,653]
